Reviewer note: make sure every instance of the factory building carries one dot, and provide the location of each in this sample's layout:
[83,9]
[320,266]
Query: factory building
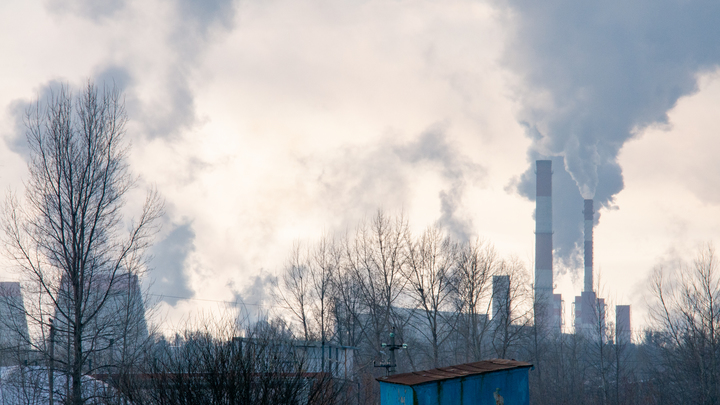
[501,298]
[117,329]
[14,338]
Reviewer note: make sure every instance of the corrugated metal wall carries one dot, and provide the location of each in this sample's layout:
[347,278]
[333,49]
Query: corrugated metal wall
[473,390]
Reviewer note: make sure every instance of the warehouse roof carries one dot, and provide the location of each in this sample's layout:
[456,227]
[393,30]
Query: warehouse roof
[460,370]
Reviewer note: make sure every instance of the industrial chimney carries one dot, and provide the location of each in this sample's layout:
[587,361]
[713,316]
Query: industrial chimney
[501,299]
[589,310]
[543,243]
[589,213]
[623,331]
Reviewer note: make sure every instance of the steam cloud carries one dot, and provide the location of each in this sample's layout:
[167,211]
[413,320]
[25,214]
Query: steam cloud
[595,74]
[432,146]
[169,261]
[255,299]
[193,25]
[93,10]
[365,178]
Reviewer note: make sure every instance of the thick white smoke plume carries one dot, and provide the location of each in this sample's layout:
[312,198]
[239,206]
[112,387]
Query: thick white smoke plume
[594,74]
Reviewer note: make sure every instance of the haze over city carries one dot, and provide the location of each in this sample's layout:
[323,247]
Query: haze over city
[266,123]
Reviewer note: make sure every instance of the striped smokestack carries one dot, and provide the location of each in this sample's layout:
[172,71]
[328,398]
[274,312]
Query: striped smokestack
[543,234]
[589,213]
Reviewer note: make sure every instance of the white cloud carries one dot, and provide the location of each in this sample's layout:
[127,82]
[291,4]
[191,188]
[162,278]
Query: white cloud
[265,122]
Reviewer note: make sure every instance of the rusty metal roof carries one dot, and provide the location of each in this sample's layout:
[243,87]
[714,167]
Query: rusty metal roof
[460,370]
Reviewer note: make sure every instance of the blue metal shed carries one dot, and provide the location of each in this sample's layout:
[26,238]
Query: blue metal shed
[487,382]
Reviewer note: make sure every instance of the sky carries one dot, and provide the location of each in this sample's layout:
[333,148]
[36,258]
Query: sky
[265,123]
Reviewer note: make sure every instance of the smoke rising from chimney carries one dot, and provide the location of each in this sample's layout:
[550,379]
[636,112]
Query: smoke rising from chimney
[593,76]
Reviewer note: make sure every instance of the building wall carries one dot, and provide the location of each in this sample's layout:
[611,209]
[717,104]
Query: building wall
[623,330]
[558,316]
[14,339]
[327,358]
[391,394]
[501,297]
[472,390]
[118,329]
[312,356]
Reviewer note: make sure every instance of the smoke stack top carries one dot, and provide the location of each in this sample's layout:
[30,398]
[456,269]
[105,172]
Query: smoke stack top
[544,178]
[589,211]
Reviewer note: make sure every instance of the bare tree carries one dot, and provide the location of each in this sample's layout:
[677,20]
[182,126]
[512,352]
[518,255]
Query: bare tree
[599,356]
[346,290]
[625,360]
[375,259]
[476,264]
[67,236]
[324,263]
[430,263]
[215,362]
[514,307]
[348,307]
[686,312]
[308,289]
[294,289]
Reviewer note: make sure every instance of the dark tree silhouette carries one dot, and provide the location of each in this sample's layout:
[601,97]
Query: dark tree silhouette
[68,236]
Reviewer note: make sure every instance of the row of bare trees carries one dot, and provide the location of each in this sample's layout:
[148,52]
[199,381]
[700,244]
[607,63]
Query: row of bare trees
[683,349]
[436,293]
[216,363]
[589,366]
[674,360]
[212,362]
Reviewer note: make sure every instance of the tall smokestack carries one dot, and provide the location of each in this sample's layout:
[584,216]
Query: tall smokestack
[543,236]
[589,213]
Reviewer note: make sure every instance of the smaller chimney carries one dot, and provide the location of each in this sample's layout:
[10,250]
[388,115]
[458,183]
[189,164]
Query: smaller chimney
[501,298]
[623,332]
[589,214]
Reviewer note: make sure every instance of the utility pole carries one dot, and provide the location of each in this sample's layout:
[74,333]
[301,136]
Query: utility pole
[391,366]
